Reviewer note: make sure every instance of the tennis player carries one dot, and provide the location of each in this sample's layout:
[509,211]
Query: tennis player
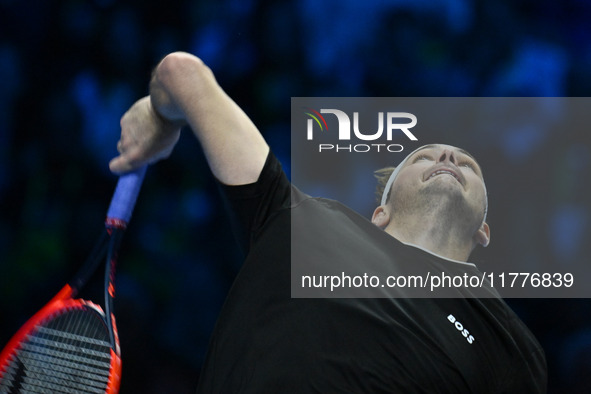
[432,213]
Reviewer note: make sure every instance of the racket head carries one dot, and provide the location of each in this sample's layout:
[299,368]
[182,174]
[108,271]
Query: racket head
[65,347]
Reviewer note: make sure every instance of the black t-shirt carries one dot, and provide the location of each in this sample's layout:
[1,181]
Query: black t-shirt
[265,341]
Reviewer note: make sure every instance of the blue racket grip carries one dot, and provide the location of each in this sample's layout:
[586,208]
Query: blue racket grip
[125,196]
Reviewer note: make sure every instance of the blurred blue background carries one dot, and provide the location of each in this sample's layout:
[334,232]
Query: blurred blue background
[69,69]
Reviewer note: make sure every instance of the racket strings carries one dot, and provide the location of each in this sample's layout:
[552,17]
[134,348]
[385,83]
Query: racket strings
[69,354]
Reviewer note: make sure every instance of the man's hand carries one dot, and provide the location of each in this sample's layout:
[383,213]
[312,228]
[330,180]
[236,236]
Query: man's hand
[183,91]
[146,137]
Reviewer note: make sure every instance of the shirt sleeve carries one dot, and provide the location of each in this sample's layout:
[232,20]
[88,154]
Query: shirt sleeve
[251,205]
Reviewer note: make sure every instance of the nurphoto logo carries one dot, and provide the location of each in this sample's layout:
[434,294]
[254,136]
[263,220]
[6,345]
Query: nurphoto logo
[395,123]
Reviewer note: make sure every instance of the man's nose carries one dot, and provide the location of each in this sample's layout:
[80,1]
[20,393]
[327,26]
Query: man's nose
[447,156]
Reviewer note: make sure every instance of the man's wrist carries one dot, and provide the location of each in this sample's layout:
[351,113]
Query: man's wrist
[167,124]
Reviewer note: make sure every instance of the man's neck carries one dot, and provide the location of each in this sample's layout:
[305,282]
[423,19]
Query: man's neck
[444,237]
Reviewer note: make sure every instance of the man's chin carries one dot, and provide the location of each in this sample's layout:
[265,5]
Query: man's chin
[445,179]
[444,185]
[449,199]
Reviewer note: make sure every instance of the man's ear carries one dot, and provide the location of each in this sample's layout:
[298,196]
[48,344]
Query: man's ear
[381,216]
[482,236]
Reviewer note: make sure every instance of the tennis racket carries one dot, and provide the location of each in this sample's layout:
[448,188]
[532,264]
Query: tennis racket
[71,345]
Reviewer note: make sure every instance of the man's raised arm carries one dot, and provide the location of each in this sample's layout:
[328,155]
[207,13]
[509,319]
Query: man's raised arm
[183,90]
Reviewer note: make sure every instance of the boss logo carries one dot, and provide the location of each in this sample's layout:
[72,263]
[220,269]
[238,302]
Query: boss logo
[460,327]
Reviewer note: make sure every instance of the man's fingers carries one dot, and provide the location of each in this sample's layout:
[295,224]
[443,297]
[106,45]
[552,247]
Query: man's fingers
[126,162]
[119,165]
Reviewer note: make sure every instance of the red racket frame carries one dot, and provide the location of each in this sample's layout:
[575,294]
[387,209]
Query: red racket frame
[118,216]
[64,301]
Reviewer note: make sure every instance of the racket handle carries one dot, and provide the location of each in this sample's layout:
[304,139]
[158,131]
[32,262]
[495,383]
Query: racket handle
[126,192]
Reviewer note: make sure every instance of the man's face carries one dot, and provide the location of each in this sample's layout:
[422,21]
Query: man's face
[435,172]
